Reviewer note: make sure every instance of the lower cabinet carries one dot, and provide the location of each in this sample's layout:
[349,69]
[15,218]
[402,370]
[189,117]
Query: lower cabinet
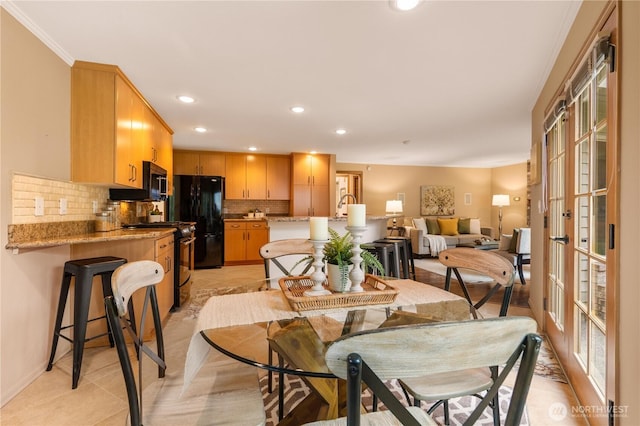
[242,241]
[164,255]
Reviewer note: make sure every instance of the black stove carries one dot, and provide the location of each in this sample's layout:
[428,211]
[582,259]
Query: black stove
[184,238]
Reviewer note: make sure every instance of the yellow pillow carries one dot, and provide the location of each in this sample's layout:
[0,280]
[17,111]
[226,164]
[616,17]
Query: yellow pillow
[448,226]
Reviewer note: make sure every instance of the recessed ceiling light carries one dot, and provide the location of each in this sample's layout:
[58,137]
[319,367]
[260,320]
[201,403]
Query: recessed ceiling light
[341,131]
[313,152]
[297,109]
[200,129]
[253,148]
[186,99]
[404,5]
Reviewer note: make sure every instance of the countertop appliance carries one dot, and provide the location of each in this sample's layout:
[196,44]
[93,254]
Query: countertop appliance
[183,255]
[199,199]
[154,185]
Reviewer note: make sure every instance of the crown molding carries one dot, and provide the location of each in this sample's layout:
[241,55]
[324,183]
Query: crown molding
[20,16]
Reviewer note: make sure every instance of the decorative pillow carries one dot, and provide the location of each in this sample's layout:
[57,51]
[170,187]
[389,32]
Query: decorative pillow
[464,226]
[474,226]
[448,226]
[432,225]
[505,242]
[420,225]
[513,245]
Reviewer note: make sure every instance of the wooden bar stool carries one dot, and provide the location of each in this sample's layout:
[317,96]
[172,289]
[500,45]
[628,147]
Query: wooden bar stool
[83,270]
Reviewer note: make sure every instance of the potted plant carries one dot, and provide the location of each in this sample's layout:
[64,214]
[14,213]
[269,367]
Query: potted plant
[338,252]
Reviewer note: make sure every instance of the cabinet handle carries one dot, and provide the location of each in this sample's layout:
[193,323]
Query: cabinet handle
[135,173]
[163,246]
[313,180]
[248,236]
[243,236]
[268,193]
[201,169]
[308,180]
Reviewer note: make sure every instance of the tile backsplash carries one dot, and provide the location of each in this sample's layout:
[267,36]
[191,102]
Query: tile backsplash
[79,198]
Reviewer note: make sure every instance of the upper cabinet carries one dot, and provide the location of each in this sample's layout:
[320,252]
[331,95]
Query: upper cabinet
[113,128]
[246,177]
[199,163]
[278,177]
[310,184]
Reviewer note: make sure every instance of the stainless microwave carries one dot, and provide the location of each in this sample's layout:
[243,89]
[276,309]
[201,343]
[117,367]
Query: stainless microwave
[154,186]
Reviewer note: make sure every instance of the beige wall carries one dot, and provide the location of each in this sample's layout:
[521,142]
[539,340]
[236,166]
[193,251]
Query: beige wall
[382,183]
[511,180]
[628,314]
[34,139]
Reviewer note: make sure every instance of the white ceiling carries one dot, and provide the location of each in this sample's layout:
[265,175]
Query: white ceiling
[451,83]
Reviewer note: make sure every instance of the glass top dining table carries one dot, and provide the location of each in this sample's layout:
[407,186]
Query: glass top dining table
[247,326]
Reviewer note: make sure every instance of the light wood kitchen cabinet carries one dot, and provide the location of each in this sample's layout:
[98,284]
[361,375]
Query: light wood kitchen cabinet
[242,241]
[278,177]
[199,163]
[310,184]
[164,255]
[112,128]
[246,177]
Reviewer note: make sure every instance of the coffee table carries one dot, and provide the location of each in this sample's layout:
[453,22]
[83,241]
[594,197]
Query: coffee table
[491,245]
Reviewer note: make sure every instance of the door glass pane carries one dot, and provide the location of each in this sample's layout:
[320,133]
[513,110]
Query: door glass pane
[582,222]
[598,290]
[582,278]
[584,112]
[581,340]
[597,366]
[599,224]
[601,94]
[582,167]
[600,159]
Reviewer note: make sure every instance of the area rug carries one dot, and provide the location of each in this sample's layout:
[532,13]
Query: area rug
[459,408]
[469,276]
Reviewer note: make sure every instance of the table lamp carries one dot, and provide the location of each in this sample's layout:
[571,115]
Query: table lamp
[500,200]
[394,207]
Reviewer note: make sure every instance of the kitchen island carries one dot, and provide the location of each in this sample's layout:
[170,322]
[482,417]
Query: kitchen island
[285,227]
[132,244]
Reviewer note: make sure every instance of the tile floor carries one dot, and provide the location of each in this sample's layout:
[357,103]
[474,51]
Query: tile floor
[100,398]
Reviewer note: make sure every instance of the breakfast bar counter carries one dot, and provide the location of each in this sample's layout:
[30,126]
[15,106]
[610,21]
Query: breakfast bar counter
[22,237]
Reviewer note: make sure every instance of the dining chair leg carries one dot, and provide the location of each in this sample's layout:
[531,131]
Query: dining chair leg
[280,388]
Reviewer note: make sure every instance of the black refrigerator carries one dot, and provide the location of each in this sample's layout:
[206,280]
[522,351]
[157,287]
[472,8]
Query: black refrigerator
[199,199]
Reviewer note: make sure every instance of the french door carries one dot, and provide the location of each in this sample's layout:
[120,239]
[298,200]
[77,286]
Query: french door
[581,264]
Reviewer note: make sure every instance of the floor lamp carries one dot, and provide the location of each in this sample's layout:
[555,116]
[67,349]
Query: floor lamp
[500,200]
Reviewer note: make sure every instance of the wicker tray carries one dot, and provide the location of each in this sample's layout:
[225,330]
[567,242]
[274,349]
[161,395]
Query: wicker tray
[376,291]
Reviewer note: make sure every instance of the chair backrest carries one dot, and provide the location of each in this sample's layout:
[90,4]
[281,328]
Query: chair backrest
[125,281]
[523,246]
[275,252]
[484,262]
[418,350]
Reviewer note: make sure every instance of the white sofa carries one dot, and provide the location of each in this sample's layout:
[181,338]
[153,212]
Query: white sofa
[518,251]
[419,235]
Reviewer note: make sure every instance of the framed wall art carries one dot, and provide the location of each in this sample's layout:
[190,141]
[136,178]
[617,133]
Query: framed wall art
[437,200]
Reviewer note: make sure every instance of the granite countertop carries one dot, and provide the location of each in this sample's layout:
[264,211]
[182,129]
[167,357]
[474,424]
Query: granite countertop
[306,218]
[58,234]
[240,219]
